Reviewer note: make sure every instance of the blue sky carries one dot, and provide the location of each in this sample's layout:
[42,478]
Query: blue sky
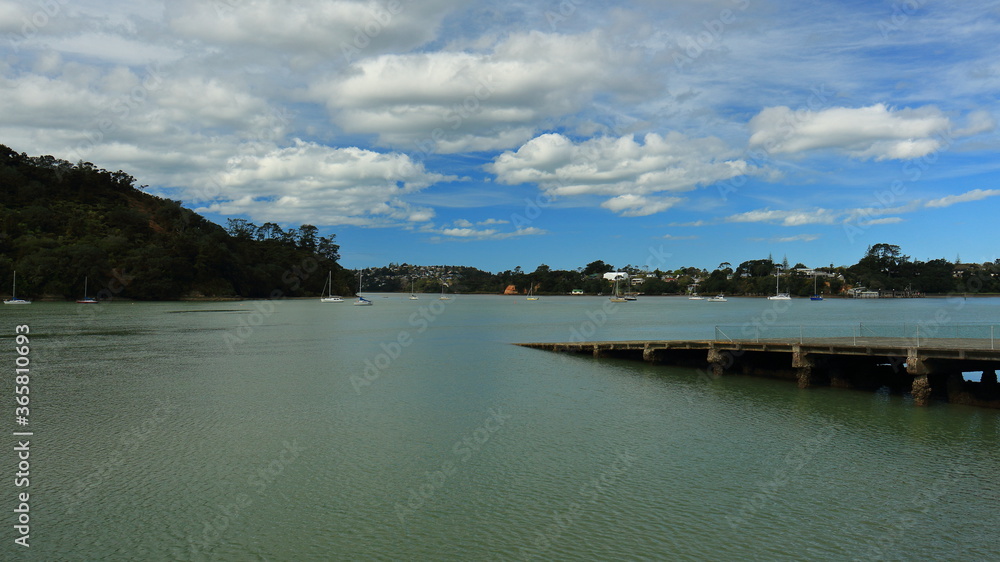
[504,134]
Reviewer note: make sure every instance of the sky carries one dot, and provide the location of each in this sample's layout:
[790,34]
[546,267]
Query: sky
[514,134]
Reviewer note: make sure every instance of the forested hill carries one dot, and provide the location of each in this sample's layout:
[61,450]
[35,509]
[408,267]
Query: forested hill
[61,223]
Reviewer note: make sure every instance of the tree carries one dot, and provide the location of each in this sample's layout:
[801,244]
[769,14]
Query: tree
[597,267]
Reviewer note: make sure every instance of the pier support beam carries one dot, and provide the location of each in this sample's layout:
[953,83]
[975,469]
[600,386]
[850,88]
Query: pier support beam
[803,364]
[648,354]
[719,361]
[921,390]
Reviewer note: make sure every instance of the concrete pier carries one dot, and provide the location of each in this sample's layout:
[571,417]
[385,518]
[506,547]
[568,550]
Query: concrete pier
[928,369]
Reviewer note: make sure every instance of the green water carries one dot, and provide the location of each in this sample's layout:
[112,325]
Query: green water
[414,430]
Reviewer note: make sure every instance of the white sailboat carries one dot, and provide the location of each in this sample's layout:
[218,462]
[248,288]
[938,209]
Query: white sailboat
[328,295]
[615,297]
[443,297]
[413,295]
[362,301]
[13,294]
[530,297]
[777,296]
[86,299]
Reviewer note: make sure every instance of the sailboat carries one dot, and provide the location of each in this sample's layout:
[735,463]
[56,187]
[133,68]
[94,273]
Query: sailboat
[615,297]
[362,301]
[86,299]
[530,298]
[328,295]
[13,294]
[778,296]
[443,297]
[413,295]
[816,296]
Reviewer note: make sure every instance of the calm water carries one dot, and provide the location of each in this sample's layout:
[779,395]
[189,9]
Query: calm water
[414,430]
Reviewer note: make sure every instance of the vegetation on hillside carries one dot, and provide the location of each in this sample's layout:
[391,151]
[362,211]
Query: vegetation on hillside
[62,222]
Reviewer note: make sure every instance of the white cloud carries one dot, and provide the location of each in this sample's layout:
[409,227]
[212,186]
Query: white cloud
[884,220]
[630,205]
[874,132]
[459,232]
[620,167]
[326,186]
[974,195]
[787,218]
[673,237]
[314,29]
[452,101]
[782,239]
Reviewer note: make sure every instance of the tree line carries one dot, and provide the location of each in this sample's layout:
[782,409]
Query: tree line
[883,268]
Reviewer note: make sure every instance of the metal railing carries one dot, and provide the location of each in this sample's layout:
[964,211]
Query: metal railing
[915,334]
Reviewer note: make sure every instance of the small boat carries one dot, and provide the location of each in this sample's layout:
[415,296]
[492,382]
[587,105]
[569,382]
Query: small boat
[328,291]
[576,292]
[778,296]
[615,297]
[443,297]
[816,296]
[413,295]
[717,298]
[86,299]
[530,298]
[696,297]
[13,294]
[362,301]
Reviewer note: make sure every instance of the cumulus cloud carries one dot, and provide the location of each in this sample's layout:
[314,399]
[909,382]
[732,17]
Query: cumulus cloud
[452,101]
[326,186]
[874,132]
[623,168]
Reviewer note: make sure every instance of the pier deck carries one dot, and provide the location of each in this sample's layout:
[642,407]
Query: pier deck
[927,368]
